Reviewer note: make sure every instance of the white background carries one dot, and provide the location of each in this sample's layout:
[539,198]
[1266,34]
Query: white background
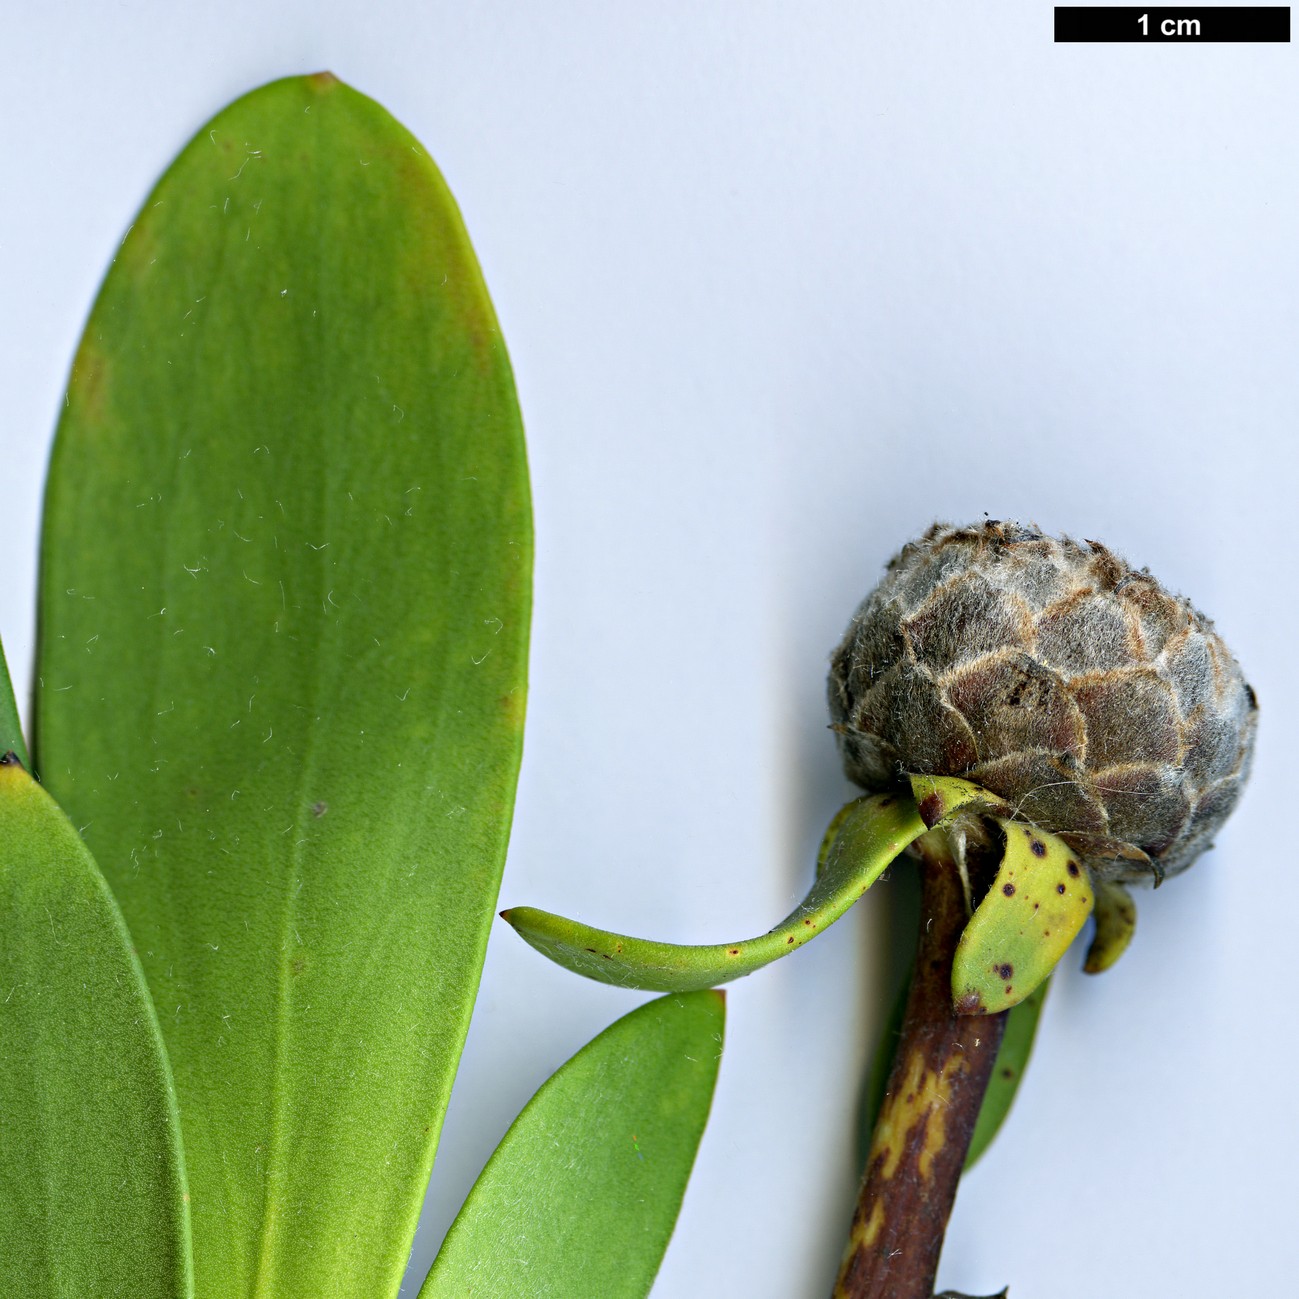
[782,283]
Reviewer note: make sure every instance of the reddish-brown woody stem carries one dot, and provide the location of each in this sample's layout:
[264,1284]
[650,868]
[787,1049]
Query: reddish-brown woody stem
[940,1073]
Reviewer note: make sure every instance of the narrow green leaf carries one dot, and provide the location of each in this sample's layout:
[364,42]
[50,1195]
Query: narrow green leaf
[11,730]
[92,1179]
[1039,901]
[862,840]
[1008,1071]
[869,837]
[1116,922]
[284,608]
[582,1193]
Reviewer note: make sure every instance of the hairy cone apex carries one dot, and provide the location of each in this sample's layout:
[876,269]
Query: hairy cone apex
[1058,677]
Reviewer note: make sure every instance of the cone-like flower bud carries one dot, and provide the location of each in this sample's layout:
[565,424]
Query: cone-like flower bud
[1047,670]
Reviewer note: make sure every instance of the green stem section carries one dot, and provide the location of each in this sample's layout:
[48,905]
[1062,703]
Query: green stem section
[935,1090]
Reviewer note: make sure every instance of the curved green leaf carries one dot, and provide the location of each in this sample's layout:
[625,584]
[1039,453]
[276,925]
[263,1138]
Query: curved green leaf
[582,1193]
[863,839]
[1008,1071]
[1116,923]
[92,1178]
[872,833]
[1039,901]
[284,605]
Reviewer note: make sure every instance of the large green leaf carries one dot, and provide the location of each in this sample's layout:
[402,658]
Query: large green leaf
[284,603]
[581,1195]
[92,1180]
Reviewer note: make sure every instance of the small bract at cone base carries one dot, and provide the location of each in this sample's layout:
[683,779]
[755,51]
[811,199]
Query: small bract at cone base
[1039,901]
[1116,923]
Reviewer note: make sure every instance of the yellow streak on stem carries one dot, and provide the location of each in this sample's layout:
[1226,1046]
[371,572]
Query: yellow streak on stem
[922,1100]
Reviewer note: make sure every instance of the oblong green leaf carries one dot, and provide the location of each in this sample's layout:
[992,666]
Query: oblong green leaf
[92,1177]
[1039,901]
[582,1193]
[284,606]
[869,836]
[1008,1071]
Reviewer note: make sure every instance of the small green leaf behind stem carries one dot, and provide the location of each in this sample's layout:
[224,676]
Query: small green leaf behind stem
[92,1177]
[581,1195]
[1008,1071]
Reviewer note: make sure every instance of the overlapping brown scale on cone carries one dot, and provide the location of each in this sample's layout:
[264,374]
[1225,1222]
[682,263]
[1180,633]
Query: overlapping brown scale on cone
[1075,687]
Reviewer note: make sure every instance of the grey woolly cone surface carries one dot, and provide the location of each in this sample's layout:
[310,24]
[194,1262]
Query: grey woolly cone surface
[1051,672]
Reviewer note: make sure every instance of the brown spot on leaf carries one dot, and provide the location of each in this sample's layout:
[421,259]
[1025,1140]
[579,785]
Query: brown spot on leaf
[1005,970]
[1059,888]
[1008,890]
[319,809]
[88,385]
[931,809]
[1038,847]
[1073,869]
[970,1003]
